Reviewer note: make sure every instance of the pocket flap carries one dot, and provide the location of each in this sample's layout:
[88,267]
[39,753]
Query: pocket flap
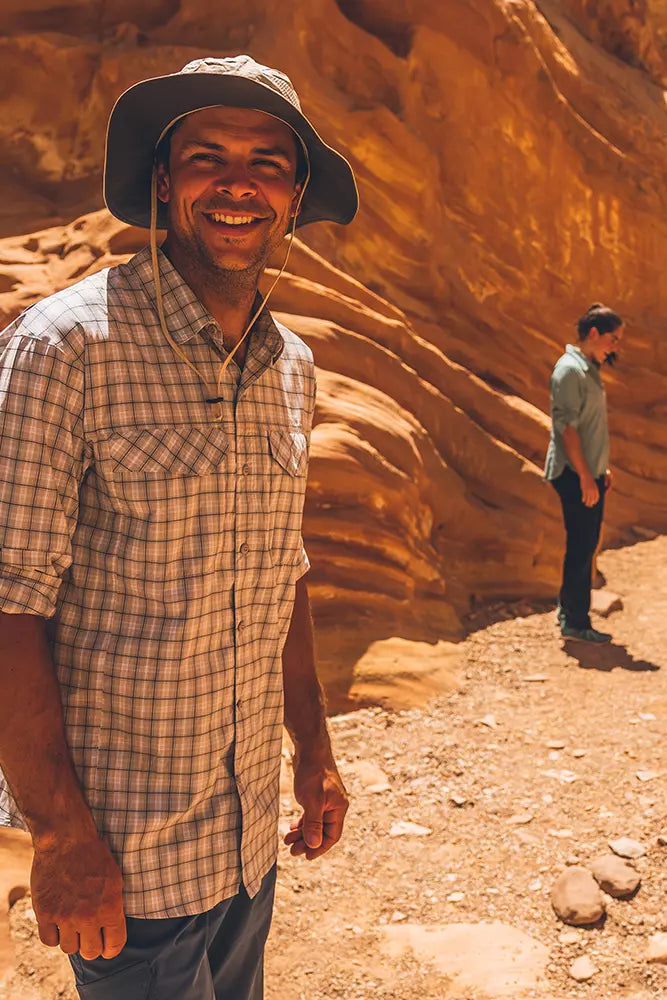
[290,450]
[156,452]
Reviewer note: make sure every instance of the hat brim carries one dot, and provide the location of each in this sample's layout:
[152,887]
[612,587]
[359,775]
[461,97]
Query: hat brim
[143,112]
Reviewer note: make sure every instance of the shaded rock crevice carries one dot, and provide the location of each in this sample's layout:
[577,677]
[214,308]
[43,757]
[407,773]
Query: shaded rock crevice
[371,16]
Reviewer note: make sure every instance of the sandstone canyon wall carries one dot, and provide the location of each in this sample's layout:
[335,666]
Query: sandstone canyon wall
[511,163]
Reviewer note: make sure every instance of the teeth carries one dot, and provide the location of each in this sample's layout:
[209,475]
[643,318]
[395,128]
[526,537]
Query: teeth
[232,220]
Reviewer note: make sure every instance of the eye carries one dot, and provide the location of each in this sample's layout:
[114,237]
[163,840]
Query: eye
[205,158]
[275,165]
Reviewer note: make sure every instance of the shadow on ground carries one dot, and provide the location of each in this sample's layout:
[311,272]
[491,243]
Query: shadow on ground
[606,658]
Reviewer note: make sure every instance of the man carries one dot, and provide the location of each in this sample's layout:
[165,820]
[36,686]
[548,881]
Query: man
[155,626]
[578,459]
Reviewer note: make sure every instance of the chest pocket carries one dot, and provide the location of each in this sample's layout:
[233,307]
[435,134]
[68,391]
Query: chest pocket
[151,472]
[164,452]
[290,450]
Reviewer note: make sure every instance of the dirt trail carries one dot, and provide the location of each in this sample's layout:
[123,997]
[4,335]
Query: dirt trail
[506,813]
[527,810]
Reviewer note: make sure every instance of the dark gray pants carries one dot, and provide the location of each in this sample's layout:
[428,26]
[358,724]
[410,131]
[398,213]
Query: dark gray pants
[218,955]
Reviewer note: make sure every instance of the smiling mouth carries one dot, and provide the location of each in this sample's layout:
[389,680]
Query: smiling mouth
[237,221]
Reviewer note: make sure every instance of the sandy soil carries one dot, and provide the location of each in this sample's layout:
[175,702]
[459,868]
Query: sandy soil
[530,766]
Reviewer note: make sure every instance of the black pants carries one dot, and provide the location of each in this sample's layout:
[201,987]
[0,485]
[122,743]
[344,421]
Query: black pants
[582,527]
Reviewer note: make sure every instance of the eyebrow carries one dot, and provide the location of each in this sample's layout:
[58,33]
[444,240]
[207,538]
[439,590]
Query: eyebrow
[279,151]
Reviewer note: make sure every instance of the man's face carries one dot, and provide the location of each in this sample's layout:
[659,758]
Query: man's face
[604,345]
[230,187]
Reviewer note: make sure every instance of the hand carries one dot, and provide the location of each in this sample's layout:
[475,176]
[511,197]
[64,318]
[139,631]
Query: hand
[77,897]
[320,790]
[608,477]
[590,493]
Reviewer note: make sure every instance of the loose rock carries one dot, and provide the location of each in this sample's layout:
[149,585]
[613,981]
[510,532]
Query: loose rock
[615,876]
[604,603]
[582,969]
[657,949]
[403,828]
[625,847]
[521,819]
[369,775]
[459,801]
[576,898]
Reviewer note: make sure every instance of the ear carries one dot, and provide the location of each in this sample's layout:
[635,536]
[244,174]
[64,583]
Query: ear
[163,189]
[295,199]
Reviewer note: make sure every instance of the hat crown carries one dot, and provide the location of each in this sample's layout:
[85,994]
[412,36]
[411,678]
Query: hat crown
[246,67]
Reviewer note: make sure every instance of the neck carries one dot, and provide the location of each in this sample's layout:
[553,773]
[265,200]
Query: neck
[229,296]
[586,349]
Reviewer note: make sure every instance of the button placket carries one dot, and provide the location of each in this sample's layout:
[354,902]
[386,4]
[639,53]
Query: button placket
[242,529]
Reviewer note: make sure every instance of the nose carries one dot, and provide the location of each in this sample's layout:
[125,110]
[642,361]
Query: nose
[235,182]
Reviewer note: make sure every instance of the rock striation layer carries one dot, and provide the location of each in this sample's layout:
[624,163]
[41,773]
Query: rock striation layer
[510,159]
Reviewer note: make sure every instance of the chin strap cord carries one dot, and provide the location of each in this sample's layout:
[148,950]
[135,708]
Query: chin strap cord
[213,392]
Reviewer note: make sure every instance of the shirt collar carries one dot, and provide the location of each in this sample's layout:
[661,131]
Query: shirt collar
[579,356]
[186,316]
[587,366]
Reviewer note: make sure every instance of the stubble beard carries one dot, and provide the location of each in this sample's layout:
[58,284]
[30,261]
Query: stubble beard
[236,281]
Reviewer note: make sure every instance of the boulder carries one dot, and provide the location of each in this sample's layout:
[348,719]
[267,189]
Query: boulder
[576,898]
[615,876]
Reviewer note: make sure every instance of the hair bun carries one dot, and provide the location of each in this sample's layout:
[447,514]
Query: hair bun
[596,305]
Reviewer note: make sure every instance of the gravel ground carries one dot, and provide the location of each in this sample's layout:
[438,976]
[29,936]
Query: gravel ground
[531,766]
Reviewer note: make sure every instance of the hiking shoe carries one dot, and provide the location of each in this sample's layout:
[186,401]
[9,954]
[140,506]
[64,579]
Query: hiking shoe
[584,634]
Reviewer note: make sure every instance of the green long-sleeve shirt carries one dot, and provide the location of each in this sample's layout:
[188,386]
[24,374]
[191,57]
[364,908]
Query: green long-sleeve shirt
[578,400]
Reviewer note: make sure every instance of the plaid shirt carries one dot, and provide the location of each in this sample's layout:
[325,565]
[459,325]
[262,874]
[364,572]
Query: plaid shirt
[165,547]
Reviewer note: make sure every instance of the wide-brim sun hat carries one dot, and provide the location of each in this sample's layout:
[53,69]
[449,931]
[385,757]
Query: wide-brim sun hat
[144,112]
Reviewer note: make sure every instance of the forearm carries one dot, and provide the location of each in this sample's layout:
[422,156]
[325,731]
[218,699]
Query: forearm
[34,755]
[575,452]
[305,708]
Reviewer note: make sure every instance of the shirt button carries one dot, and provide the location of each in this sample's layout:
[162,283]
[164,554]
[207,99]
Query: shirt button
[245,549]
[245,469]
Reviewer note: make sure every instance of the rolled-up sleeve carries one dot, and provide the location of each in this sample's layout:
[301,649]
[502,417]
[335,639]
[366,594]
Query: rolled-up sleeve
[567,398]
[42,463]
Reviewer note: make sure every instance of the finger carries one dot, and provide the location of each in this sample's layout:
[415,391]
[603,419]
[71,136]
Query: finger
[90,943]
[312,831]
[333,826]
[292,837]
[296,850]
[69,940]
[332,832]
[48,933]
[114,938]
[312,819]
